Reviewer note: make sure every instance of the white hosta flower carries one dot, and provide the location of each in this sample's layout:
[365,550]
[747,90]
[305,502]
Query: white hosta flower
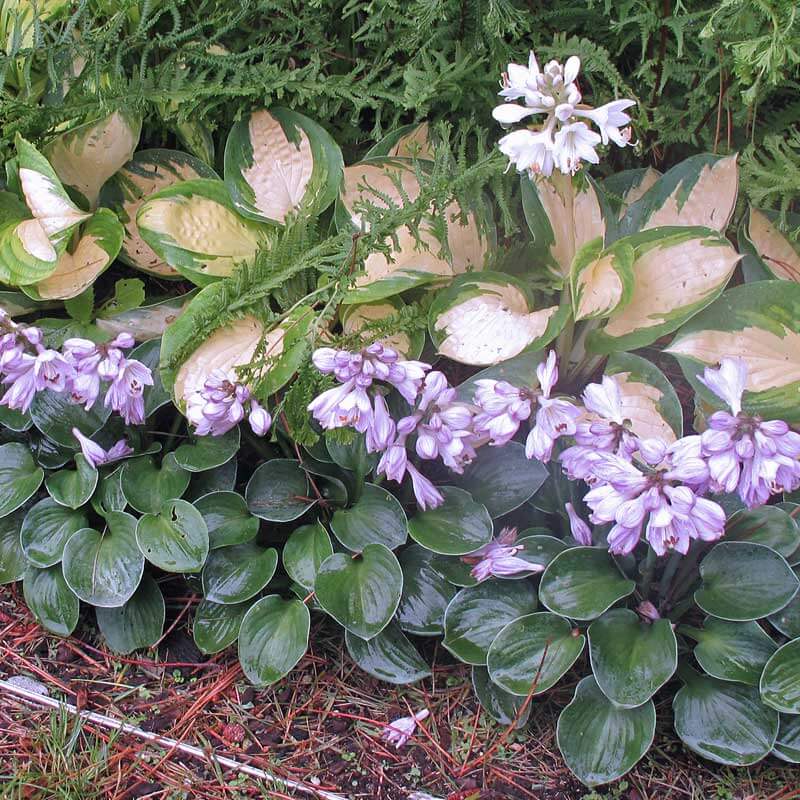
[563,140]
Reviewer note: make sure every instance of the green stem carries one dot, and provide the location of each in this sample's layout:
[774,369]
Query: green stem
[648,572]
[669,573]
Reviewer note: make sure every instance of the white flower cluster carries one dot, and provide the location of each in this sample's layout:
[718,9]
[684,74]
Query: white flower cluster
[564,140]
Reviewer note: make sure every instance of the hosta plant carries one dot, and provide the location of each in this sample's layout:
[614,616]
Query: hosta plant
[337,391]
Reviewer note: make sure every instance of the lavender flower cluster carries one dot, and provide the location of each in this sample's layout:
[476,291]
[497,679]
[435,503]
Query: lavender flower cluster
[222,403]
[641,486]
[80,371]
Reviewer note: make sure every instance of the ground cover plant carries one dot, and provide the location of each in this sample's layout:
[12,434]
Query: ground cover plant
[326,338]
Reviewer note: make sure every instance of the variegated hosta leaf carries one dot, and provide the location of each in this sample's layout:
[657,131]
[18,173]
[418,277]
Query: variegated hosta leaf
[409,141]
[26,253]
[648,399]
[760,323]
[87,156]
[701,190]
[193,227]
[99,243]
[17,304]
[413,261]
[602,279]
[676,272]
[355,317]
[562,217]
[776,252]
[278,162]
[196,344]
[146,322]
[624,188]
[148,172]
[487,317]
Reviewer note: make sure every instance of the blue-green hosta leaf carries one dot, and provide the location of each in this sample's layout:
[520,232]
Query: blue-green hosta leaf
[377,516]
[147,486]
[759,323]
[778,255]
[426,593]
[12,559]
[216,626]
[278,491]
[676,273]
[600,742]
[87,156]
[780,682]
[237,573]
[498,703]
[227,519]
[767,525]
[46,529]
[73,487]
[148,172]
[787,745]
[412,261]
[648,399]
[487,317]
[700,190]
[278,163]
[389,656]
[601,279]
[563,215]
[724,722]
[194,227]
[456,527]
[305,550]
[175,538]
[79,266]
[50,600]
[136,624]
[19,476]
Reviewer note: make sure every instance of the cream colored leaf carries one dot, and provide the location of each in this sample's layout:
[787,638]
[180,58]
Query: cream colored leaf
[635,192]
[228,347]
[280,170]
[358,316]
[599,288]
[46,202]
[669,278]
[640,405]
[146,322]
[368,183]
[33,237]
[710,203]
[74,272]
[772,360]
[415,144]
[86,157]
[773,247]
[492,326]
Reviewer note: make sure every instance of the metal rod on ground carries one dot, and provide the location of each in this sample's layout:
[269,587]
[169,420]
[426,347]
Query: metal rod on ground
[195,752]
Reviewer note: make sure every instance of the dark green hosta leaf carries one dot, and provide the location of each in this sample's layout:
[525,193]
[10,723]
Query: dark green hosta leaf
[352,456]
[725,722]
[732,651]
[305,549]
[55,416]
[542,645]
[12,559]
[457,527]
[50,600]
[453,569]
[155,396]
[376,518]
[425,593]
[15,420]
[389,656]
[478,613]
[787,745]
[599,741]
[767,525]
[583,582]
[787,620]
[631,659]
[175,539]
[148,487]
[46,529]
[136,624]
[237,573]
[273,637]
[278,491]
[104,569]
[498,703]
[780,681]
[50,455]
[109,495]
[744,581]
[208,452]
[361,592]
[227,519]
[502,478]
[73,487]
[539,549]
[216,626]
[19,476]
[219,479]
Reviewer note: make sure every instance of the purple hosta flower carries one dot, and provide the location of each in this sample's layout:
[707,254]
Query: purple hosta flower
[499,558]
[95,455]
[401,730]
[94,363]
[501,409]
[581,532]
[555,417]
[647,611]
[126,393]
[381,433]
[427,495]
[259,418]
[30,374]
[745,453]
[219,406]
[610,432]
